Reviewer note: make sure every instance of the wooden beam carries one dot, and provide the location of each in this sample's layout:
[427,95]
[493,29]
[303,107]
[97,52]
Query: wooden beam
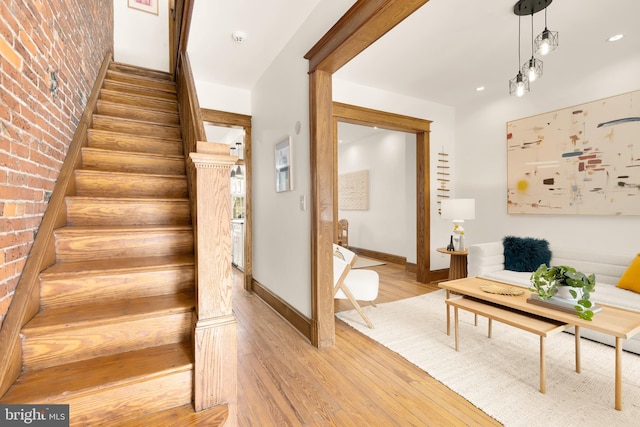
[423,217]
[358,28]
[224,118]
[322,193]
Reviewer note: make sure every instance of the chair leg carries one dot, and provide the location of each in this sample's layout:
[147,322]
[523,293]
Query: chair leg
[373,303]
[355,304]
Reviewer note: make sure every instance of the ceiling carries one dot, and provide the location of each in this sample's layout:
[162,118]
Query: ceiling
[441,53]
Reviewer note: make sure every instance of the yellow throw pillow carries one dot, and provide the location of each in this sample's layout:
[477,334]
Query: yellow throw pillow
[631,278]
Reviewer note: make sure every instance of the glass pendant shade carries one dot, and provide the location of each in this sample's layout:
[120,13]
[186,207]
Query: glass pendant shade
[532,69]
[546,41]
[519,85]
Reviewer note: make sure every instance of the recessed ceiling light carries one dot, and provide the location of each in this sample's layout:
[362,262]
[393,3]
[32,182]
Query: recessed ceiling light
[615,38]
[238,36]
[479,88]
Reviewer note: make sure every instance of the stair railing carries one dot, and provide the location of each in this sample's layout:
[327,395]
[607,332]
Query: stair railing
[209,174]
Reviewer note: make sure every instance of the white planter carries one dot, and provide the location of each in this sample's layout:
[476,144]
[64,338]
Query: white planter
[563,292]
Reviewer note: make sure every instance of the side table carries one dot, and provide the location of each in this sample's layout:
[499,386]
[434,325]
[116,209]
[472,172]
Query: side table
[458,263]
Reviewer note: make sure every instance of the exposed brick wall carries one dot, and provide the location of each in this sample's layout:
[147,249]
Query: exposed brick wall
[50,55]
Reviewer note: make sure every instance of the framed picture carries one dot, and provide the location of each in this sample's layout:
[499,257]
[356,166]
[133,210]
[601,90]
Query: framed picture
[150,6]
[284,181]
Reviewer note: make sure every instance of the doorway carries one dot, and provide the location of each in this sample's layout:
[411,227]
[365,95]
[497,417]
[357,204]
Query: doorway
[235,130]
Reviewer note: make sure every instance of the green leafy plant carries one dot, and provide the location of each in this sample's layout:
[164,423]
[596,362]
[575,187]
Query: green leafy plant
[546,280]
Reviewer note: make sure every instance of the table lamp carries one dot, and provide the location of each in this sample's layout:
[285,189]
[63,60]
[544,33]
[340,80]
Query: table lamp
[458,210]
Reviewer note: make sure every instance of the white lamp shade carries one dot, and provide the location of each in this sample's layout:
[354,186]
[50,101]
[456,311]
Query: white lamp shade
[458,209]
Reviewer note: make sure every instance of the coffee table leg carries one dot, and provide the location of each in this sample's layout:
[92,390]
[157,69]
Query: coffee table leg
[448,315]
[489,328]
[619,373]
[455,321]
[543,387]
[578,363]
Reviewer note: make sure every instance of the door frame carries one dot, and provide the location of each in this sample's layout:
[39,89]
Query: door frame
[353,114]
[364,23]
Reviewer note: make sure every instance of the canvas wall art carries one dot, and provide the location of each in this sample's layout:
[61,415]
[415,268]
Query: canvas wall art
[353,191]
[583,160]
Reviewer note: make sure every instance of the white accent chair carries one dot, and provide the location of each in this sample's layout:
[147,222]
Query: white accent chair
[353,284]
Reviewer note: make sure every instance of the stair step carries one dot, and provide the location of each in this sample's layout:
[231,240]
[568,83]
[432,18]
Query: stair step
[72,283]
[86,211]
[136,127]
[72,334]
[92,243]
[138,100]
[138,89]
[124,142]
[113,109]
[182,416]
[142,72]
[150,82]
[122,386]
[122,161]
[121,184]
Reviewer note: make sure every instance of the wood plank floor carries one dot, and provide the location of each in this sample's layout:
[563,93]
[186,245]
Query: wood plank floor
[284,381]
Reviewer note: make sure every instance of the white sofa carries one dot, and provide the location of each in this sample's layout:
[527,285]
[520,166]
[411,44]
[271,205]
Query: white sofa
[487,260]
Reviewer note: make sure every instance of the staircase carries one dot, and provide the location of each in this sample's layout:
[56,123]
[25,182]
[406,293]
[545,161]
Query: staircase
[113,335]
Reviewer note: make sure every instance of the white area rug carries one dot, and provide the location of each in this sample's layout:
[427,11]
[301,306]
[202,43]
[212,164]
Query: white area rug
[500,375]
[363,262]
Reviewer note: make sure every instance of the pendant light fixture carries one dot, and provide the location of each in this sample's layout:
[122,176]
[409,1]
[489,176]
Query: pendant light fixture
[533,67]
[519,85]
[546,40]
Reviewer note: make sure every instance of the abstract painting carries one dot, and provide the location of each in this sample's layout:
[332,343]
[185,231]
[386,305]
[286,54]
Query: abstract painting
[582,160]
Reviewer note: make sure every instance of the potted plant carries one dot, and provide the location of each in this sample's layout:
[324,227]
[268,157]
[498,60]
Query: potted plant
[547,281]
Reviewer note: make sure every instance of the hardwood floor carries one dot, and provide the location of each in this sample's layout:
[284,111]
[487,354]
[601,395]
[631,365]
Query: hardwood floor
[284,381]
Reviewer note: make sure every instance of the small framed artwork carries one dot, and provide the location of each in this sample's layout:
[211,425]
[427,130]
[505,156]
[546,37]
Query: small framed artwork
[150,6]
[283,159]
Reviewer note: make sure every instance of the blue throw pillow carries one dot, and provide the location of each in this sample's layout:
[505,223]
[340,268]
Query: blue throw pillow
[525,253]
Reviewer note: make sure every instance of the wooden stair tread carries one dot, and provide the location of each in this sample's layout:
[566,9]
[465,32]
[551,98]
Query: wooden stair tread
[106,229]
[97,314]
[126,174]
[133,121]
[116,135]
[136,70]
[181,416]
[134,154]
[101,266]
[101,372]
[139,112]
[128,86]
[168,102]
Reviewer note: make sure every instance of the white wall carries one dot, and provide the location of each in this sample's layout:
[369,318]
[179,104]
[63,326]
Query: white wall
[141,38]
[481,153]
[223,98]
[442,137]
[386,225]
[281,233]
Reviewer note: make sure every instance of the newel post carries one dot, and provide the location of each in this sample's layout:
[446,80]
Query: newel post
[215,335]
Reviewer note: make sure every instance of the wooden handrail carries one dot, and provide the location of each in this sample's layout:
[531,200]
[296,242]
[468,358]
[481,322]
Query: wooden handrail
[26,300]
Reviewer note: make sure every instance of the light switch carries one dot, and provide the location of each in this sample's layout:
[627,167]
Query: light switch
[303,203]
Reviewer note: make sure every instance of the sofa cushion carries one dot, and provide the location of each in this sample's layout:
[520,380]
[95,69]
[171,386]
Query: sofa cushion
[631,277]
[525,253]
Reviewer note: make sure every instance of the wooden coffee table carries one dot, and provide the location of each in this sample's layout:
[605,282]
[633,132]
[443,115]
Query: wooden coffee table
[618,322]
